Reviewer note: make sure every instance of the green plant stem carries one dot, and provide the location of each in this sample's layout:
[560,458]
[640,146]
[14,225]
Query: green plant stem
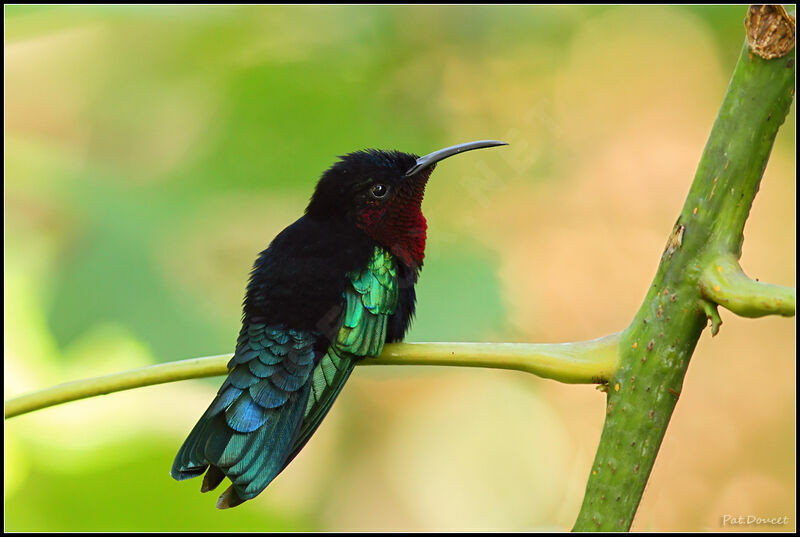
[209,366]
[657,346]
[724,283]
[583,362]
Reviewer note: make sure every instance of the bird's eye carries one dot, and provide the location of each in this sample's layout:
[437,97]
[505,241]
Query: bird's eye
[379,191]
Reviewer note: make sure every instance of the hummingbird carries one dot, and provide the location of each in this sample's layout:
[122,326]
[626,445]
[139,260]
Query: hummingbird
[332,288]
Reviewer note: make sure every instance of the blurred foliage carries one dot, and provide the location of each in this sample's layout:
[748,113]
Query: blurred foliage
[152,152]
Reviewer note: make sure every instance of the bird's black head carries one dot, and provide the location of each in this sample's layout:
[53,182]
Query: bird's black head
[360,179]
[381,192]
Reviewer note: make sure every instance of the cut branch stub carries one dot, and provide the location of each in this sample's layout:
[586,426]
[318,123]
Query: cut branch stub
[770,30]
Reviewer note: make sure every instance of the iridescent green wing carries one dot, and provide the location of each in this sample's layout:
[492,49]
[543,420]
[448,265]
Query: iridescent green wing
[370,299]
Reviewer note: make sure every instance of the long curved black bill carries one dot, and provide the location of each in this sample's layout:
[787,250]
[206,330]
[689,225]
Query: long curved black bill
[436,156]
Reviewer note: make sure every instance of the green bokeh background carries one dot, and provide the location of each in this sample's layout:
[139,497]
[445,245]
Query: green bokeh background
[152,152]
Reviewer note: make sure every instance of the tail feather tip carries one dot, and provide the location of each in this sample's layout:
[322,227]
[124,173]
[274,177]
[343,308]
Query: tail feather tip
[212,479]
[182,472]
[229,499]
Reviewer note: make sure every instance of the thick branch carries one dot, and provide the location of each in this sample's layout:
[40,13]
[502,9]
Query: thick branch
[724,283]
[657,346]
[583,362]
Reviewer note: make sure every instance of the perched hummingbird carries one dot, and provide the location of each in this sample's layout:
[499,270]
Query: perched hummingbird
[330,289]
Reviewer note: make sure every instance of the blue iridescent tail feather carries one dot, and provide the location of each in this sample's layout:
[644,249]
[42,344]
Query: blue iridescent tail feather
[249,429]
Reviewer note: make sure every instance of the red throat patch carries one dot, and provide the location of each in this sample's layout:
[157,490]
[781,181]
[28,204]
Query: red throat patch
[399,224]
